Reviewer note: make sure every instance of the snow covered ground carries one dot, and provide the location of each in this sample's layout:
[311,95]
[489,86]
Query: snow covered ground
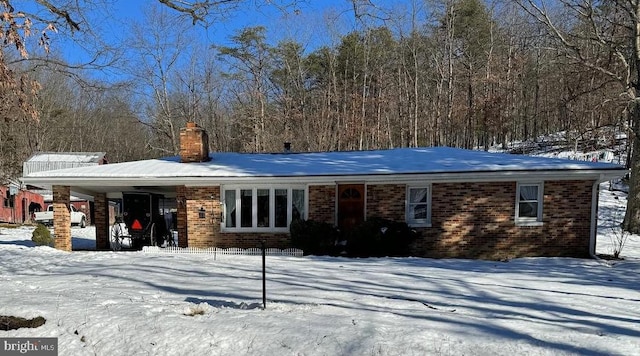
[132,303]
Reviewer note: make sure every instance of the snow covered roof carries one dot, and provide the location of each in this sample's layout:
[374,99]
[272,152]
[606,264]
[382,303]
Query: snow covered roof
[78,157]
[317,167]
[47,161]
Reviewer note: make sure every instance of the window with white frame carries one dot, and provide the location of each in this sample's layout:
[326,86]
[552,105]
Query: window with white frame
[418,209]
[262,208]
[529,203]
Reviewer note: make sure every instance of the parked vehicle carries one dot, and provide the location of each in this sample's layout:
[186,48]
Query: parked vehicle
[46,217]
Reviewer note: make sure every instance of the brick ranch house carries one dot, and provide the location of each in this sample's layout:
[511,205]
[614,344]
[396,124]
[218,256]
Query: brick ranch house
[463,203]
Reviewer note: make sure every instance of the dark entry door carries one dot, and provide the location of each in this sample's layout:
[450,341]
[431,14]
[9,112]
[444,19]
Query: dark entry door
[350,206]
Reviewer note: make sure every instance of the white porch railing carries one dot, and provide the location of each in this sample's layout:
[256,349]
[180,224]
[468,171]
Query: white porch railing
[294,252]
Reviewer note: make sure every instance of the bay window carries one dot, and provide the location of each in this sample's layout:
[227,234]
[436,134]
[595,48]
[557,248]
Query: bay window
[281,207]
[262,208]
[245,203]
[230,208]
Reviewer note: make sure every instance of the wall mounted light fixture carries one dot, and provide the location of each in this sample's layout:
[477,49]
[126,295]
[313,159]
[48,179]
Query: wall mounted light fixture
[222,220]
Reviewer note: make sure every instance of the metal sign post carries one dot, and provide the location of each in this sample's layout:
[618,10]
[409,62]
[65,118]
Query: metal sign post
[264,276]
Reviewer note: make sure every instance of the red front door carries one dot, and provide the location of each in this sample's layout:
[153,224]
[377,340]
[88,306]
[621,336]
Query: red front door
[350,206]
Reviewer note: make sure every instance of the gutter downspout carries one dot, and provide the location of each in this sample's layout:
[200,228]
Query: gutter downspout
[594,217]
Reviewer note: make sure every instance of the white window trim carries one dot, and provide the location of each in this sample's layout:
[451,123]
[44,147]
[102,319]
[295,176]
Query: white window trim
[254,203]
[420,222]
[527,221]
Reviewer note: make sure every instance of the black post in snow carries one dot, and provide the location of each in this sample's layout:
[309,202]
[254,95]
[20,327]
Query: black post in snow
[264,276]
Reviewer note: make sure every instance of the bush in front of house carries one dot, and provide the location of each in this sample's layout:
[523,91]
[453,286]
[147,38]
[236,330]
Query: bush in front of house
[313,237]
[377,237]
[41,236]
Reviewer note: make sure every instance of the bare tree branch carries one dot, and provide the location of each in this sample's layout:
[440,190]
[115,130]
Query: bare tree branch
[60,12]
[541,14]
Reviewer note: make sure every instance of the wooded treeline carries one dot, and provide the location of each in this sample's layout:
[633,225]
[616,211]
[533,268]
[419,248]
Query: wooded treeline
[464,73]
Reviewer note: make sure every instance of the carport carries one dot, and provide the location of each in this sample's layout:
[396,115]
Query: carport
[110,184]
[140,203]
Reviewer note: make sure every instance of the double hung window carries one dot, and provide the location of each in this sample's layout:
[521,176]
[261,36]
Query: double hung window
[529,203]
[418,207]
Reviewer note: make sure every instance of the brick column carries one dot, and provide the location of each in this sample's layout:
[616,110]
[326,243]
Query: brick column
[61,217]
[181,203]
[101,216]
[203,229]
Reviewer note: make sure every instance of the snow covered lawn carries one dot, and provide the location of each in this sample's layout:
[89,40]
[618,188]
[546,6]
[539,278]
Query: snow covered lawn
[130,303]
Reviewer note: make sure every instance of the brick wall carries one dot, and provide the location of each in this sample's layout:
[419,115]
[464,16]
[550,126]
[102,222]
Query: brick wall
[469,220]
[203,232]
[386,201]
[476,220]
[101,215]
[568,213]
[322,203]
[61,217]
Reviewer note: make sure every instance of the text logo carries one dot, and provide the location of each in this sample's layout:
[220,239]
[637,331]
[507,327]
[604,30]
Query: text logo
[29,346]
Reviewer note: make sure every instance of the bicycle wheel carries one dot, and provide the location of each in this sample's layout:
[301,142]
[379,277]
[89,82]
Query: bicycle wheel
[116,237]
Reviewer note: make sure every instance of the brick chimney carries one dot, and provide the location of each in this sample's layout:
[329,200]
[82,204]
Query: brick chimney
[194,143]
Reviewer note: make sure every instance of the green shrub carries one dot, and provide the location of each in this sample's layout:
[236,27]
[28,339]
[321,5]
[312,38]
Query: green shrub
[313,237]
[41,236]
[379,237]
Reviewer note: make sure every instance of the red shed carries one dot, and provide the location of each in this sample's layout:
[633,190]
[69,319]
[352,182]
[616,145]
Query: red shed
[17,205]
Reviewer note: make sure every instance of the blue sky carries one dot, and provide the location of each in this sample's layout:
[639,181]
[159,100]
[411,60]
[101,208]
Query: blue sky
[312,22]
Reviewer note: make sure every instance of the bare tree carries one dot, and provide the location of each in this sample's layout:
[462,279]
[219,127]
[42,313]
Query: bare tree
[159,58]
[250,61]
[613,29]
[29,31]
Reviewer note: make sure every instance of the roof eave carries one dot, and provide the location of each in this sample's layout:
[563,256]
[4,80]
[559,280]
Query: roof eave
[469,176]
